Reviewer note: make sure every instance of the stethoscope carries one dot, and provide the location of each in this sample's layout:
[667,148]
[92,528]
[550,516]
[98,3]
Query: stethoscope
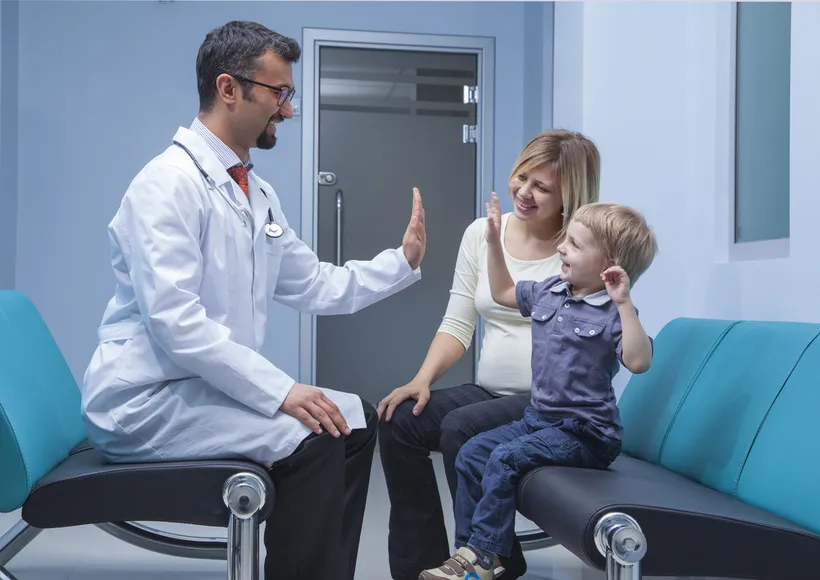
[272,229]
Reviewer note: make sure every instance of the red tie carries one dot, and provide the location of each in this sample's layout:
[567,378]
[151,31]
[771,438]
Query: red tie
[240,176]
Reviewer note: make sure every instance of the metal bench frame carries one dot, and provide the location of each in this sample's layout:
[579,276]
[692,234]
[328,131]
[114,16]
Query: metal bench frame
[244,495]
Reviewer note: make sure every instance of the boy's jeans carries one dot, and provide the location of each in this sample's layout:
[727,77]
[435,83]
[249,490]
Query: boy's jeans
[491,464]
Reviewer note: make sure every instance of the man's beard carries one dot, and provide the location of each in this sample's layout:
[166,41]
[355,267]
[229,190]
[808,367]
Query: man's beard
[264,141]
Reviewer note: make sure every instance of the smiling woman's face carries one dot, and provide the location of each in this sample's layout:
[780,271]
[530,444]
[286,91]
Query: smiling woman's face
[535,194]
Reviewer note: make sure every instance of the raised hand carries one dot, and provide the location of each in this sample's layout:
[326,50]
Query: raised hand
[493,219]
[617,284]
[414,242]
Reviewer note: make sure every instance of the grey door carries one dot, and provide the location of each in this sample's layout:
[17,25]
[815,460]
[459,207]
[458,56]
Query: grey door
[390,120]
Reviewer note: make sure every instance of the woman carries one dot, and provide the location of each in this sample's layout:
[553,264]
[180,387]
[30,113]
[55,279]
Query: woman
[557,172]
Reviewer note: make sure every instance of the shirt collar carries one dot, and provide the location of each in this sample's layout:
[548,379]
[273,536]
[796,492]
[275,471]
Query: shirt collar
[598,299]
[225,154]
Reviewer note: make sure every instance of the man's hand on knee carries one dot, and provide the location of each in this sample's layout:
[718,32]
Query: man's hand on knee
[314,409]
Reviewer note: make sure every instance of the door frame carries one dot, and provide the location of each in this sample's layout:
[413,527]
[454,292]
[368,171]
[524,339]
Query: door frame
[315,38]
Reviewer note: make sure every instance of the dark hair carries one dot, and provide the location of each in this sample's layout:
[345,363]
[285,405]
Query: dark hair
[234,49]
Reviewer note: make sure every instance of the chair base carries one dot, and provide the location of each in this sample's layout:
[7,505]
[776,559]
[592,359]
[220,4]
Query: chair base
[17,538]
[5,574]
[166,543]
[618,571]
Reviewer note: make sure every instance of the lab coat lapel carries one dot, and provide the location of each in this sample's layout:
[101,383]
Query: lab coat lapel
[204,156]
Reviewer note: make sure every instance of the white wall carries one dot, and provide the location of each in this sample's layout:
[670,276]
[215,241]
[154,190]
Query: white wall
[649,83]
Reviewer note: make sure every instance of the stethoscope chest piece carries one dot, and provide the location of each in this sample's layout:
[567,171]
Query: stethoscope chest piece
[273,230]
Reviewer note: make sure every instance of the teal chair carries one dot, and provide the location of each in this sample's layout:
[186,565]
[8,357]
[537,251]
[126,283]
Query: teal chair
[719,474]
[51,472]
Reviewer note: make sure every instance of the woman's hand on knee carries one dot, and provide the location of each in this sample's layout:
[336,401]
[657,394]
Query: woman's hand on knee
[416,389]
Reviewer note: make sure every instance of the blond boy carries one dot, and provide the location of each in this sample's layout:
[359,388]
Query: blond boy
[583,325]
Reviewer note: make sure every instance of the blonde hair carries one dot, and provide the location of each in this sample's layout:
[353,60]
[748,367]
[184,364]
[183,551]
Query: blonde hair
[622,235]
[577,166]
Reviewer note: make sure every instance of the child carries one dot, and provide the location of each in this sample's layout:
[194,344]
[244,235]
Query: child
[583,325]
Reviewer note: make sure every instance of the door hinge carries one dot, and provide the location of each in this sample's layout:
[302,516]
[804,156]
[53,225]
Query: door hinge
[469,134]
[470,94]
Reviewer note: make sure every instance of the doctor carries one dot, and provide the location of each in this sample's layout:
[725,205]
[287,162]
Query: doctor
[199,248]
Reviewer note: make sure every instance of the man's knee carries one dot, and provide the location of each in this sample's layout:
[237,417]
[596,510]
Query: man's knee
[371,417]
[365,436]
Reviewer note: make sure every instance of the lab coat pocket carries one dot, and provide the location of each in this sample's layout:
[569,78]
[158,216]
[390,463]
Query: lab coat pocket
[145,409]
[145,363]
[273,246]
[274,251]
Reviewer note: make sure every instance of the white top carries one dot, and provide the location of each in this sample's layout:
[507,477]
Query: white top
[504,364]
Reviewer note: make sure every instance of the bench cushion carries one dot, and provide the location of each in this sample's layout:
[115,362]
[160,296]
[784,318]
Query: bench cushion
[691,529]
[85,489]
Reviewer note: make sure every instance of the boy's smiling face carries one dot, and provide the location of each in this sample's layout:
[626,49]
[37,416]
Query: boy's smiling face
[582,260]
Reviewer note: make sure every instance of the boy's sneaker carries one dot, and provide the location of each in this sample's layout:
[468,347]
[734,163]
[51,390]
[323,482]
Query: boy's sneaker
[463,565]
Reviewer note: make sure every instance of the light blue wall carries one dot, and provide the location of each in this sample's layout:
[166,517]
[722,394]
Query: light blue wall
[8,142]
[104,85]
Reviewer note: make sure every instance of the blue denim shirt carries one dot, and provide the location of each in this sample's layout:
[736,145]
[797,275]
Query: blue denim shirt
[576,351]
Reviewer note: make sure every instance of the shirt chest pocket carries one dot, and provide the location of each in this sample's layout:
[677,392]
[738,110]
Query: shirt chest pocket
[541,314]
[585,329]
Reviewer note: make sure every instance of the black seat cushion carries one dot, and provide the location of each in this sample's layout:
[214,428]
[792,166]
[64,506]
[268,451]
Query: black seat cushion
[85,489]
[691,530]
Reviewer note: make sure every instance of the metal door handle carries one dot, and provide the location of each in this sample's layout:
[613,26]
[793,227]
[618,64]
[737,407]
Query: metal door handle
[339,200]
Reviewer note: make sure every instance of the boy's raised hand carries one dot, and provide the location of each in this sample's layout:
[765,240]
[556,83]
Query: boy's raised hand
[617,284]
[493,219]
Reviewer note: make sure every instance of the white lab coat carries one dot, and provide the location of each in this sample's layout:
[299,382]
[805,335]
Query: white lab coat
[177,373]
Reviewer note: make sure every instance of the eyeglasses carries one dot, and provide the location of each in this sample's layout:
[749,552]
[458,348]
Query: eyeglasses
[285,93]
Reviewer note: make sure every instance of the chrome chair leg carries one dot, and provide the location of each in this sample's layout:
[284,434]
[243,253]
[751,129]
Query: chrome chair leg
[619,538]
[244,494]
[17,538]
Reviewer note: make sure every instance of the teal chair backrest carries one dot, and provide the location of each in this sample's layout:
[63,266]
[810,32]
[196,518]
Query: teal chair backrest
[40,418]
[727,404]
[652,400]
